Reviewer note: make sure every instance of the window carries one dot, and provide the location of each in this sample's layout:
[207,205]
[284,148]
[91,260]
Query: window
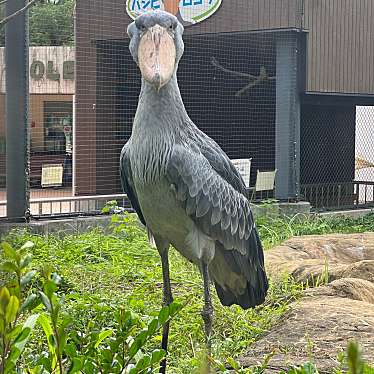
[58,121]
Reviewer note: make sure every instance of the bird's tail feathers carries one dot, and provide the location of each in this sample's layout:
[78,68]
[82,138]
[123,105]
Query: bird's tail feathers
[252,270]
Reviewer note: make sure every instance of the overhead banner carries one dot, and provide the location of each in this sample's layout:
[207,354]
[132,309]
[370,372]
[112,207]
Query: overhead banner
[189,12]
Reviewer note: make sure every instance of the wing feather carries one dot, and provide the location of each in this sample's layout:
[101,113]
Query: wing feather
[128,183]
[217,207]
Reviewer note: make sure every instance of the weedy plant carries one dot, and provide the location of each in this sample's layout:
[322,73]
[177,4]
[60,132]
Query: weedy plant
[118,349]
[13,304]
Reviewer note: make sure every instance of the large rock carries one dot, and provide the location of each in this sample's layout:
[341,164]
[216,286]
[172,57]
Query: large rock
[320,325]
[309,258]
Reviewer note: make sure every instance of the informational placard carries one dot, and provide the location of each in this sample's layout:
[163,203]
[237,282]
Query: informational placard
[243,165]
[52,175]
[189,12]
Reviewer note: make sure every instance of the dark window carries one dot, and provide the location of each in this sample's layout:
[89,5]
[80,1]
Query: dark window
[58,122]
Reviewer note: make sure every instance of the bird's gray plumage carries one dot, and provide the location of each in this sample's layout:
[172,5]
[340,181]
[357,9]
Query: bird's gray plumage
[187,192]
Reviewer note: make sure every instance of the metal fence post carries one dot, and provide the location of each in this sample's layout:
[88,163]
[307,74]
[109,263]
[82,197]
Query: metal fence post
[17,91]
[287,123]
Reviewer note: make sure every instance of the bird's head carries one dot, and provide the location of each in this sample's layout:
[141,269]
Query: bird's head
[156,46]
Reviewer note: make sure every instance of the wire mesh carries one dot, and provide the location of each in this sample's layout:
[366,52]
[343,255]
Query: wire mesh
[254,77]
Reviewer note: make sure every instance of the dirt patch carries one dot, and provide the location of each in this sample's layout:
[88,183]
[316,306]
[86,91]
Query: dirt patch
[321,324]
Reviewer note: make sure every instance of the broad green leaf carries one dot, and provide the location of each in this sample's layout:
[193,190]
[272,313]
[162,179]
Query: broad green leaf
[9,267]
[174,308]
[102,336]
[163,315]
[27,245]
[71,350]
[135,347]
[13,288]
[143,363]
[25,332]
[76,365]
[108,354]
[4,299]
[49,288]
[31,302]
[46,325]
[2,326]
[47,271]
[25,261]
[9,366]
[12,309]
[152,327]
[142,336]
[14,332]
[157,356]
[27,277]
[45,301]
[9,252]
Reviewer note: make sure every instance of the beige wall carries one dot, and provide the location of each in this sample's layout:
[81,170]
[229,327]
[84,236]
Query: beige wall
[36,116]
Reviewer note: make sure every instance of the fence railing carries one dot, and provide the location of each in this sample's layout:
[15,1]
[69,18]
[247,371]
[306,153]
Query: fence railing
[70,205]
[345,195]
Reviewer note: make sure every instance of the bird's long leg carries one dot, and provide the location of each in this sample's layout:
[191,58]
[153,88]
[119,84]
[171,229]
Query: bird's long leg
[207,312]
[167,300]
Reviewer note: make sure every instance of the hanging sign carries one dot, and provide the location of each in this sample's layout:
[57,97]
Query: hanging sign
[189,12]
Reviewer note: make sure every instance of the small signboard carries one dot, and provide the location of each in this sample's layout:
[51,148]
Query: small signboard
[243,165]
[189,12]
[52,175]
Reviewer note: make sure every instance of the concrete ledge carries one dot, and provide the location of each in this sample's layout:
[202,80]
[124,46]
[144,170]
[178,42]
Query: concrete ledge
[357,213]
[65,226]
[281,209]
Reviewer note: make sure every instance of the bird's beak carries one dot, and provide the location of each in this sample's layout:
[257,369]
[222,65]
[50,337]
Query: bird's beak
[156,56]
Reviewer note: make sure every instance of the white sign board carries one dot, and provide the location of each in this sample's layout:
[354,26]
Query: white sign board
[188,12]
[243,165]
[52,175]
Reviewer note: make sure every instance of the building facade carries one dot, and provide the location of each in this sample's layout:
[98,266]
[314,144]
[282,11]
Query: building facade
[52,87]
[277,81]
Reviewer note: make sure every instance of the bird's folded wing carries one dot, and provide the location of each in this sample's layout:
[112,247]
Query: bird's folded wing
[127,182]
[218,209]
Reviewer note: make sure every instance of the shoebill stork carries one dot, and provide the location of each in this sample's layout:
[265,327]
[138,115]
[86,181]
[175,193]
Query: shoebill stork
[182,185]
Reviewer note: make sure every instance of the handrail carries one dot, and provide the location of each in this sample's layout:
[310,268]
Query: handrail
[72,198]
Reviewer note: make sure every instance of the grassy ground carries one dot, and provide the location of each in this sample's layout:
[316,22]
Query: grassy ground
[102,271]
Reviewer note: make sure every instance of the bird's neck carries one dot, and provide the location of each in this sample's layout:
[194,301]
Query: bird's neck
[162,108]
[158,124]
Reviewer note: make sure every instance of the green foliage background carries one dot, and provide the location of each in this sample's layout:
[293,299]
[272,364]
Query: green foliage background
[51,22]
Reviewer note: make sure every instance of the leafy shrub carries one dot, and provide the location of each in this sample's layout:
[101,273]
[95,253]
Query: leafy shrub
[117,349]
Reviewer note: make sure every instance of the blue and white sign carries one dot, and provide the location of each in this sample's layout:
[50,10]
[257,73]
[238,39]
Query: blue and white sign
[188,12]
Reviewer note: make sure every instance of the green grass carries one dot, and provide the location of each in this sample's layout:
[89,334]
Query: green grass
[102,271]
[275,230]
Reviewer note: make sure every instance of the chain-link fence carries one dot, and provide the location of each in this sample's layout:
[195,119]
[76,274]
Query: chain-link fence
[284,86]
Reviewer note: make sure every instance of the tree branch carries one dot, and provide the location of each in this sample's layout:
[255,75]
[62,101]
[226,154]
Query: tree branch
[17,13]
[232,72]
[3,2]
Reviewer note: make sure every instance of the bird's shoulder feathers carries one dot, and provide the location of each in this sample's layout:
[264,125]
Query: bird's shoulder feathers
[128,182]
